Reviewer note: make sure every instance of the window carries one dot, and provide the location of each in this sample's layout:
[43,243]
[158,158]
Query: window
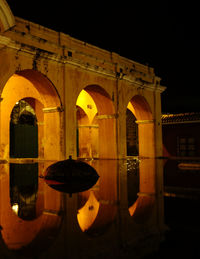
[186,146]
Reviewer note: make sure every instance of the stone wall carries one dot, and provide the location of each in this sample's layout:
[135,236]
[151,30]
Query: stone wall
[54,68]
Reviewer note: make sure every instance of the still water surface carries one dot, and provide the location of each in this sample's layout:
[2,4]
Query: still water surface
[120,216]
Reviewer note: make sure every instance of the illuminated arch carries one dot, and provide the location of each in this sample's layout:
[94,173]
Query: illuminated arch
[139,106]
[141,109]
[29,84]
[87,104]
[7,19]
[97,104]
[83,133]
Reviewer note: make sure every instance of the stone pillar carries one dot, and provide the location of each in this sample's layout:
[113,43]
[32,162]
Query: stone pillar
[107,136]
[52,134]
[146,136]
[158,125]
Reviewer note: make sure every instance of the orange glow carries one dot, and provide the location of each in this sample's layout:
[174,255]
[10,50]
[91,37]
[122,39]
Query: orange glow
[141,108]
[86,111]
[86,102]
[100,210]
[132,209]
[96,123]
[88,213]
[131,108]
[146,128]
[15,208]
[142,209]
[37,90]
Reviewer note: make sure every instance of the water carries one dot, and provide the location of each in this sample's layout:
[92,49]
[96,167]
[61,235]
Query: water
[121,216]
[181,206]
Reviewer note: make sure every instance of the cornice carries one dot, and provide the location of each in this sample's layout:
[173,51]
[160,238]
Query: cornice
[114,70]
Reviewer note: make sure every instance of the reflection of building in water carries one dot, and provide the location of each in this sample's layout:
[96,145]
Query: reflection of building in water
[107,220]
[24,189]
[29,211]
[181,134]
[181,176]
[99,209]
[79,93]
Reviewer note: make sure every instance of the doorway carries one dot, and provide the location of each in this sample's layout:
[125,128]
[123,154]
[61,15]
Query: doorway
[23,131]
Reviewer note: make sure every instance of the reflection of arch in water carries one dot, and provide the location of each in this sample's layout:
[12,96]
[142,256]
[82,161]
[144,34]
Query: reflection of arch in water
[97,104]
[140,108]
[132,167]
[24,190]
[38,91]
[142,209]
[88,213]
[98,206]
[96,216]
[32,236]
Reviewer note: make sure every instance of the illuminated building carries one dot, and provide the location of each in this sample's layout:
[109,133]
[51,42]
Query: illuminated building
[79,93]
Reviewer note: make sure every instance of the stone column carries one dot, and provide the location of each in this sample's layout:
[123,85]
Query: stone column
[107,136]
[52,133]
[146,136]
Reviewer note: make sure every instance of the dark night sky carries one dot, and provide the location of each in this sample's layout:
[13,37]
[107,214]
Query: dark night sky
[163,34]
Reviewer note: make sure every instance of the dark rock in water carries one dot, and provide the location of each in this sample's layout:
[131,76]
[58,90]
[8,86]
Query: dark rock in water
[71,176]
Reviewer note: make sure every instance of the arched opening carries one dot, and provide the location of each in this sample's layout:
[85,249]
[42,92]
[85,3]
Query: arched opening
[131,134]
[142,139]
[38,93]
[95,124]
[23,131]
[7,19]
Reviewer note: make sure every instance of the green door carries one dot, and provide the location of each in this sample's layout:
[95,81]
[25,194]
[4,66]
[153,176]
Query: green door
[23,141]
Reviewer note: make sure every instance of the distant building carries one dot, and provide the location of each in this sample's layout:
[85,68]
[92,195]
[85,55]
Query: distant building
[181,134]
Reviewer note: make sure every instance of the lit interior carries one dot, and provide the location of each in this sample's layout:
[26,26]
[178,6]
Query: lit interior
[86,102]
[94,131]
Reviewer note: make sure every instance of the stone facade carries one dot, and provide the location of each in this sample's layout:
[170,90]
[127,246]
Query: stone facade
[51,71]
[78,96]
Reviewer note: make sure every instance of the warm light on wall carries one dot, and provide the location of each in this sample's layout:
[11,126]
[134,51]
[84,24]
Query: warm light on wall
[86,102]
[15,208]
[132,209]
[131,108]
[32,86]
